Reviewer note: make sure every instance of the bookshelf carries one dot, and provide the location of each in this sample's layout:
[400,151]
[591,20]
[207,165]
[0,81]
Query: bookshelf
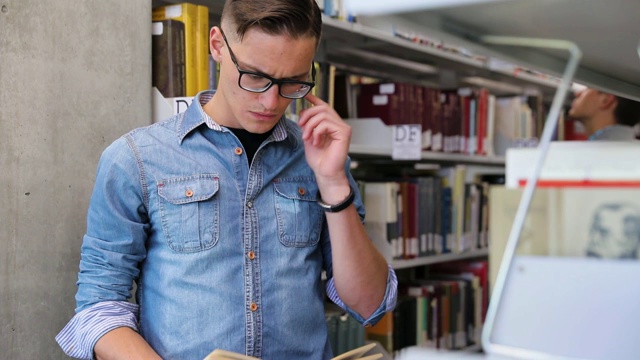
[359,48]
[437,259]
[609,62]
[364,151]
[370,49]
[374,43]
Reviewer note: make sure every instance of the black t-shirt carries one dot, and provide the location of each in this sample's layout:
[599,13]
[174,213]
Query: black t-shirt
[250,141]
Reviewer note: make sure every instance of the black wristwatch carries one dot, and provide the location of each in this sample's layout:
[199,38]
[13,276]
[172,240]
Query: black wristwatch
[338,207]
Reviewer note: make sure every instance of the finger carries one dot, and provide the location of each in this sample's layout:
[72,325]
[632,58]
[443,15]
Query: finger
[322,130]
[314,99]
[319,133]
[307,114]
[326,112]
[312,122]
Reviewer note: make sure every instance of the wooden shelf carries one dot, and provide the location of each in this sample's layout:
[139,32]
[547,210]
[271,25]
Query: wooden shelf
[357,150]
[436,259]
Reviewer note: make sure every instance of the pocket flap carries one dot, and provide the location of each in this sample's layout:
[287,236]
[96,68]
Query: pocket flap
[188,189]
[297,188]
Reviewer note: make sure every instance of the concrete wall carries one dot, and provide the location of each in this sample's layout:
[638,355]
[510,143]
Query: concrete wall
[74,75]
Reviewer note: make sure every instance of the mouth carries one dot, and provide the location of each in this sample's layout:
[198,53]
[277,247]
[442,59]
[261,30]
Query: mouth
[264,116]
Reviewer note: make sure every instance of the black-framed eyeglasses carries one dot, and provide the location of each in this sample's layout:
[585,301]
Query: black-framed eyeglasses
[257,82]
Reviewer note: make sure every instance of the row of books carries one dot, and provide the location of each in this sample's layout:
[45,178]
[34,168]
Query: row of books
[180,49]
[345,333]
[443,309]
[465,120]
[427,215]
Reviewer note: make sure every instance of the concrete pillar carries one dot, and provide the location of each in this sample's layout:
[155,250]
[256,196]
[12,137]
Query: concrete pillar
[74,76]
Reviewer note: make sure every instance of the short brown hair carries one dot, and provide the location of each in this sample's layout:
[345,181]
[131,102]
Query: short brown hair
[627,111]
[295,18]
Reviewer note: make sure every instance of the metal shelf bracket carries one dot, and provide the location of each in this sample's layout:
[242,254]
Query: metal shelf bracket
[575,54]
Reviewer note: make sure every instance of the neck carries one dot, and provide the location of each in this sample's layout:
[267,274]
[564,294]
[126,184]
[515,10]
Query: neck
[597,123]
[217,110]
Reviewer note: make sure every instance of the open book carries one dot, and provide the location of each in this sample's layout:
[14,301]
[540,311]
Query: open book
[364,352]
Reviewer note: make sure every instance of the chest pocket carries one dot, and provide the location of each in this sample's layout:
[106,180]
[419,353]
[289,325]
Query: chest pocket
[190,212]
[299,216]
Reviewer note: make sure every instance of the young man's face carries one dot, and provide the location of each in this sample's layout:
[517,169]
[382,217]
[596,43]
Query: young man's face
[277,56]
[585,104]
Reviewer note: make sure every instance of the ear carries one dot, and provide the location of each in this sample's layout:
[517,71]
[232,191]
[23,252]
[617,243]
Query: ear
[216,43]
[608,101]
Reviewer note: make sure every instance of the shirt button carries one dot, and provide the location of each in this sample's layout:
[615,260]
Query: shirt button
[368,326]
[238,151]
[253,307]
[188,193]
[251,255]
[301,191]
[249,204]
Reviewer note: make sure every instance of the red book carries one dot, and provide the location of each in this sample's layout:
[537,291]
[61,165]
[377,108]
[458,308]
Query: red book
[479,268]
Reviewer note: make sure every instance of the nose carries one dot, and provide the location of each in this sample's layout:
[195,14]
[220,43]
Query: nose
[270,98]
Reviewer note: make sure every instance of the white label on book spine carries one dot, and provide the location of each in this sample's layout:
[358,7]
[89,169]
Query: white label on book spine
[388,88]
[380,100]
[436,142]
[173,11]
[157,28]
[426,139]
[407,142]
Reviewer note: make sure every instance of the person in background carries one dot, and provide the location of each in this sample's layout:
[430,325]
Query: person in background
[226,215]
[605,117]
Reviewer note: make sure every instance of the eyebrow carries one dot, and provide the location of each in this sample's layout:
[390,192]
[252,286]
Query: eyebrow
[297,77]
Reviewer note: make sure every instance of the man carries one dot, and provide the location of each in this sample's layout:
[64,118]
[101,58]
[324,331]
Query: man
[605,117]
[225,216]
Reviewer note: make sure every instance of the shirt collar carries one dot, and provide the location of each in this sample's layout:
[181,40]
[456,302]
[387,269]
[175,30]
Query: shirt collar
[620,132]
[195,116]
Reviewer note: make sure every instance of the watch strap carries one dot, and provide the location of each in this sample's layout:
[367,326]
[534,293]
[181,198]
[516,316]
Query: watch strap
[338,207]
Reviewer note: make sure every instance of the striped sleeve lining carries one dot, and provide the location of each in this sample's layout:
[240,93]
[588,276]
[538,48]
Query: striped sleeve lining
[390,301]
[80,335]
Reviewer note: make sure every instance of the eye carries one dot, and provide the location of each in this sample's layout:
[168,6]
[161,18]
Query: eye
[255,77]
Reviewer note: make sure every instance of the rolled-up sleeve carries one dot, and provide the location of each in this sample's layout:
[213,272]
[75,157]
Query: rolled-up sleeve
[388,302]
[111,252]
[78,338]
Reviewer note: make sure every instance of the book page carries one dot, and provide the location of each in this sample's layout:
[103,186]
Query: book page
[357,353]
[600,222]
[220,354]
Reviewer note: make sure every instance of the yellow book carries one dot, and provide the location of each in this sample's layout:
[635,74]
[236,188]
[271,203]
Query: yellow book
[361,353]
[202,48]
[188,14]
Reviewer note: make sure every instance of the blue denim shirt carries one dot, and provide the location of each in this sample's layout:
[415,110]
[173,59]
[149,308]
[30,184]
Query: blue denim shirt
[225,255]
